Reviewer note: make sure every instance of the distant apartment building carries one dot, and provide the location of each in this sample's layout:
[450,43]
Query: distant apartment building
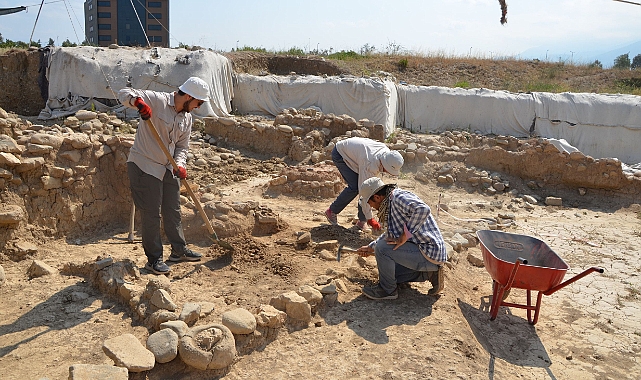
[118,22]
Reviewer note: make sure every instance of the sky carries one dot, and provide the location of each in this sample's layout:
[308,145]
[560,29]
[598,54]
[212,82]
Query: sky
[568,30]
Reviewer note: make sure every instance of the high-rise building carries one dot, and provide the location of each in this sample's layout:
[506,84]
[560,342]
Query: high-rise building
[118,22]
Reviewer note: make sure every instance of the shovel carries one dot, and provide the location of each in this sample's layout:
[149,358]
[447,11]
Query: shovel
[213,236]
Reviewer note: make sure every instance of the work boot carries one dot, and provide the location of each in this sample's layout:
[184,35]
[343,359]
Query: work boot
[378,293]
[186,255]
[159,267]
[331,217]
[437,280]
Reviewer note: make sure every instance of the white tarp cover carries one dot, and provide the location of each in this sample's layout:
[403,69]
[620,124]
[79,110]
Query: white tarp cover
[599,125]
[370,98]
[437,109]
[80,77]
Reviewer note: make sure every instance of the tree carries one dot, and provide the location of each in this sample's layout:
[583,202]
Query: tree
[51,42]
[67,43]
[622,61]
[636,62]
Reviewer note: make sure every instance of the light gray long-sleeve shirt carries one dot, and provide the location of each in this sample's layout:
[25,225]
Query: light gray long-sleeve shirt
[363,156]
[174,129]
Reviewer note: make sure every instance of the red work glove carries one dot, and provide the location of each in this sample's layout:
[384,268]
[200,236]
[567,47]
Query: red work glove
[143,108]
[374,224]
[181,173]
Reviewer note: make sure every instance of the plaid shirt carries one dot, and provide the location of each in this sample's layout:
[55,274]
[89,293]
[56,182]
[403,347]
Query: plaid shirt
[407,209]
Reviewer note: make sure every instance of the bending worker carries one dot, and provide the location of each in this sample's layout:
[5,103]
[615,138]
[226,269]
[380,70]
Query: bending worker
[358,159]
[411,250]
[155,187]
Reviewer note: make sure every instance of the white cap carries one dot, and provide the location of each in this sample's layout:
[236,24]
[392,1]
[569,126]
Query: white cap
[392,162]
[196,88]
[370,187]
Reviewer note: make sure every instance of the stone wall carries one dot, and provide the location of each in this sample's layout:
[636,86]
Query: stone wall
[63,180]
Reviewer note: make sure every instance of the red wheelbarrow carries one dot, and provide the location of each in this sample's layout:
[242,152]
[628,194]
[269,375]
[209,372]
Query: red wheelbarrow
[524,262]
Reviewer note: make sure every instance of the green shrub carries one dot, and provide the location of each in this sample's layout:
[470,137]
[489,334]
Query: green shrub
[462,84]
[596,63]
[402,64]
[295,51]
[249,48]
[345,55]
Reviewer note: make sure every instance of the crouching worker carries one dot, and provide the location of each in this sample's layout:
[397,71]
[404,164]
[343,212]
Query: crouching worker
[411,250]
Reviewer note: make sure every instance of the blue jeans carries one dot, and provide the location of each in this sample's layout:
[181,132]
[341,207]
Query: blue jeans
[351,191]
[154,198]
[406,264]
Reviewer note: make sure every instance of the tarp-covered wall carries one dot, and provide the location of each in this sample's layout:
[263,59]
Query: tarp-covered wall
[360,98]
[598,125]
[437,109]
[82,77]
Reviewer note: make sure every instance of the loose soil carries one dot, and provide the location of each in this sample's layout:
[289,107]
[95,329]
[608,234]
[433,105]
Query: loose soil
[590,329]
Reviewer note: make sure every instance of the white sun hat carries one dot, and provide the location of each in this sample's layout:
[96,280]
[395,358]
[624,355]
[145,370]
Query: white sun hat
[195,87]
[392,162]
[370,187]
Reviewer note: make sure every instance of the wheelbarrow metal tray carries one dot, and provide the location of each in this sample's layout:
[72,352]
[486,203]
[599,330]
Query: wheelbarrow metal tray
[544,269]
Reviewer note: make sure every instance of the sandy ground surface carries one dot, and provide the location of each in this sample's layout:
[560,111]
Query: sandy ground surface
[590,329]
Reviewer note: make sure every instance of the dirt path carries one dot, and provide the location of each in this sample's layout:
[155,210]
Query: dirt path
[590,329]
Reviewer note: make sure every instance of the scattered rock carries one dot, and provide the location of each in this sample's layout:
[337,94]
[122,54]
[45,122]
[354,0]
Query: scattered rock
[97,372]
[239,321]
[127,351]
[190,313]
[164,345]
[39,268]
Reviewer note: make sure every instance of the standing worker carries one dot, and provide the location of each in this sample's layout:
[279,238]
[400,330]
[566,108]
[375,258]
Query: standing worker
[358,159]
[412,249]
[155,187]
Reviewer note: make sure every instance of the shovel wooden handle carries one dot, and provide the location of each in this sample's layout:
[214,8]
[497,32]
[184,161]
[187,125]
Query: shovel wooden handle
[154,132]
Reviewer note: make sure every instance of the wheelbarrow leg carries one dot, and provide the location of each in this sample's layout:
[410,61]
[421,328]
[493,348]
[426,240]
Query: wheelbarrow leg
[497,296]
[536,309]
[529,305]
[499,289]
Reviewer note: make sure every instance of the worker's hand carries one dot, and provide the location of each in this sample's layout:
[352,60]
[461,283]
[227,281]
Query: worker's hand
[365,251]
[376,227]
[397,242]
[181,173]
[143,108]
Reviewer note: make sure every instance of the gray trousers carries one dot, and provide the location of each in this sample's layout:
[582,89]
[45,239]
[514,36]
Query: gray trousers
[155,198]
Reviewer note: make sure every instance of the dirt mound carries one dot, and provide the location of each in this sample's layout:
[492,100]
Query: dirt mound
[262,64]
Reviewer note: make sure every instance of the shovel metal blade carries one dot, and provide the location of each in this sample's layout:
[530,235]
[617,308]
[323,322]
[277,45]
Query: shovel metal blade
[223,244]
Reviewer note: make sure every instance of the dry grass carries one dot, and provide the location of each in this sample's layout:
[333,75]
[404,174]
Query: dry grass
[497,74]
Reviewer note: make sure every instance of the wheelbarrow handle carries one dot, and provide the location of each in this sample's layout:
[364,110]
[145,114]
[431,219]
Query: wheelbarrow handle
[517,263]
[577,277]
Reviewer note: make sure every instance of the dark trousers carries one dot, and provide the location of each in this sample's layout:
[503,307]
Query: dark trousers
[155,198]
[351,191]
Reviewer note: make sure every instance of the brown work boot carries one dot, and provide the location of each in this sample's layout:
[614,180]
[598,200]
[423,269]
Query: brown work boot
[437,280]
